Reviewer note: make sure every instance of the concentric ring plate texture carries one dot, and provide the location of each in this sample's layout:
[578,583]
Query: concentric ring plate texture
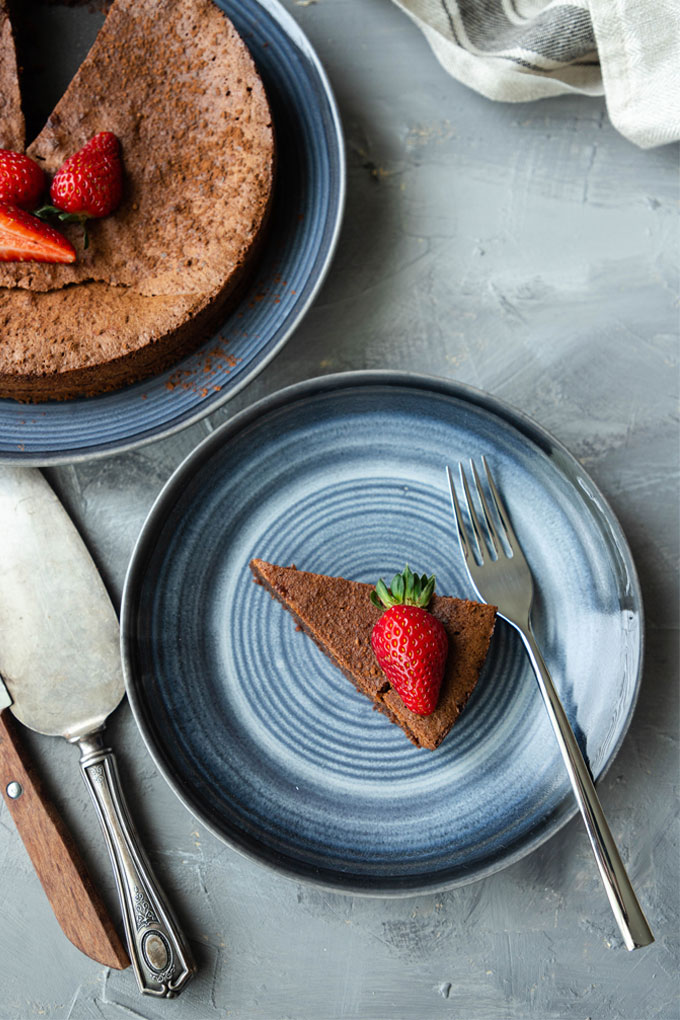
[307,212]
[264,739]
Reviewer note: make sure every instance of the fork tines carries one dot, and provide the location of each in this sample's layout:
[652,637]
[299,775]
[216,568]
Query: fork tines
[494,531]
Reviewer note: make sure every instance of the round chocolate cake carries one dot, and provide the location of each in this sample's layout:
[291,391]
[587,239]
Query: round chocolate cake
[177,85]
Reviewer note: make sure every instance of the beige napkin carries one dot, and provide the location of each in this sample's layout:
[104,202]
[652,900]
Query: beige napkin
[519,50]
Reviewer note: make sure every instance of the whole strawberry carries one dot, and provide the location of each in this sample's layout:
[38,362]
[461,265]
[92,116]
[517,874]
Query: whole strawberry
[410,643]
[90,183]
[22,181]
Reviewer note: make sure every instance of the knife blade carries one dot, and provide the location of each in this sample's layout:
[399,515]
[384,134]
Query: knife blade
[60,660]
[77,905]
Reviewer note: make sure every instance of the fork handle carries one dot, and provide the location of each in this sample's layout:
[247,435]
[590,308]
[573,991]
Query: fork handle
[624,903]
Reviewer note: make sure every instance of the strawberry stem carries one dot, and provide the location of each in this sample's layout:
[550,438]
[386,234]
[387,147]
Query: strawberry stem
[66,217]
[406,588]
[46,210]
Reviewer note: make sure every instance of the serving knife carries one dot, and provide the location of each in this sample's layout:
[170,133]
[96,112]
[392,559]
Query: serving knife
[77,905]
[60,661]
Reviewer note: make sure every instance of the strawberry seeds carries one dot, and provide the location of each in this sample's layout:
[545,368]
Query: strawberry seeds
[88,185]
[410,644]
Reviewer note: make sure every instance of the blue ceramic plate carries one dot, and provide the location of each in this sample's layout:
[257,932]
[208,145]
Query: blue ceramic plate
[265,741]
[307,212]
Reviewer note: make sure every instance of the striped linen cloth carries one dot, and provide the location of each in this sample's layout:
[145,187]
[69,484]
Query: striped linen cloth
[520,50]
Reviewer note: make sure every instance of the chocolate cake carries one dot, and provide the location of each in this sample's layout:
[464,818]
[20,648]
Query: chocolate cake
[11,116]
[177,85]
[339,616]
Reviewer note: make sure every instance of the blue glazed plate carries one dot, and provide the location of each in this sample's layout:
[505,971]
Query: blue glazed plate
[265,741]
[306,217]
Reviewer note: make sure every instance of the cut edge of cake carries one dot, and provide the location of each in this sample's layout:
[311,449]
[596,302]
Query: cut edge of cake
[12,124]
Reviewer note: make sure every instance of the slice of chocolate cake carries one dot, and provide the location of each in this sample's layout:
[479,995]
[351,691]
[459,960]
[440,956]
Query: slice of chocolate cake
[339,616]
[11,116]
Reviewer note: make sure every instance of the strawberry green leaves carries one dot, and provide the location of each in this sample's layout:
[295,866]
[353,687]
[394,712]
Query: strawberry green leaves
[406,588]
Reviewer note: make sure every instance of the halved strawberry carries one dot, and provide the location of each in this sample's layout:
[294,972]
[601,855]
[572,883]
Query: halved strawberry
[22,181]
[24,238]
[410,644]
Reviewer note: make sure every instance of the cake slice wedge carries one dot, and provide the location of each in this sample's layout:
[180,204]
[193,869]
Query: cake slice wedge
[12,126]
[339,616]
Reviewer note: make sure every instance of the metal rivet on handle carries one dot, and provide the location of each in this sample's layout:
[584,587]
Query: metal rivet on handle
[14,790]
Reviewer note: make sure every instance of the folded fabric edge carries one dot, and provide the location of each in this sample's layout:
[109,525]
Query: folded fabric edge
[495,78]
[638,48]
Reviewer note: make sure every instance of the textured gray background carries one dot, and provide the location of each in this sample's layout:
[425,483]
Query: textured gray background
[529,251]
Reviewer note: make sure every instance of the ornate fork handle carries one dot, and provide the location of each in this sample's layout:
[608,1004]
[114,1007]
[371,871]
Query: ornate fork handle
[159,953]
[624,903]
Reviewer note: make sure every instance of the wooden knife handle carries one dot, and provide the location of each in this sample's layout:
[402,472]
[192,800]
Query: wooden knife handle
[77,905]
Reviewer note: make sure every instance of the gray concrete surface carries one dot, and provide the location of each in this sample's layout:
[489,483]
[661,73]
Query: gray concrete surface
[530,251]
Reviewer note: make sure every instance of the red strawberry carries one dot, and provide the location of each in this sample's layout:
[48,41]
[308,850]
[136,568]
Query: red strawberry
[24,238]
[410,643]
[90,183]
[22,181]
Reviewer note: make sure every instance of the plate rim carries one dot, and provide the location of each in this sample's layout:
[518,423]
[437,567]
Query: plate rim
[401,886]
[273,9]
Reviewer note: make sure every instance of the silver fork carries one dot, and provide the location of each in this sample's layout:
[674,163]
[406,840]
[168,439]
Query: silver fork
[501,576]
